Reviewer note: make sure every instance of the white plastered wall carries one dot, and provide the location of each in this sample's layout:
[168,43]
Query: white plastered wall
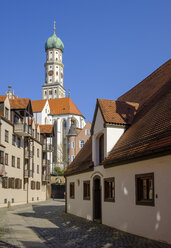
[149,221]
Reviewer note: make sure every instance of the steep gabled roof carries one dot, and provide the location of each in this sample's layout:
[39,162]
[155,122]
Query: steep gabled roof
[46,128]
[115,112]
[147,88]
[62,106]
[2,98]
[83,160]
[38,105]
[150,130]
[19,103]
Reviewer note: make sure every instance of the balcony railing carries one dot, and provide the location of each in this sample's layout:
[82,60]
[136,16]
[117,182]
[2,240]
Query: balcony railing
[47,147]
[22,129]
[46,162]
[2,169]
[28,154]
[45,178]
[28,173]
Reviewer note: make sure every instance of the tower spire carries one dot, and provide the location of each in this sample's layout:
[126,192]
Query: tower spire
[54,28]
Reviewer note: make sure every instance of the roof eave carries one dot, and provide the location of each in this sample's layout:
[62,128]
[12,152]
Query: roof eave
[138,157]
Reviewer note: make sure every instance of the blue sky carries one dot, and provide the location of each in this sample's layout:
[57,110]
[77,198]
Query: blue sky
[110,46]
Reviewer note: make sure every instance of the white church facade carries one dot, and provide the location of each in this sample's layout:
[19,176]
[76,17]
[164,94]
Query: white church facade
[55,108]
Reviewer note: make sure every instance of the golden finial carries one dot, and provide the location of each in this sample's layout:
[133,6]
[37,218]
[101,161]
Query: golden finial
[54,28]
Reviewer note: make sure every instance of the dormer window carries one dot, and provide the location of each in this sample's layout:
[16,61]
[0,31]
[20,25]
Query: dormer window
[101,148]
[6,112]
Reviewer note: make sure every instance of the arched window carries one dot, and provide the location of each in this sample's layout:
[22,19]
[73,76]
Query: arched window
[101,148]
[64,126]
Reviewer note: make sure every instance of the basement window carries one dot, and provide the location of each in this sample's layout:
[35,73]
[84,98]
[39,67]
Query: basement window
[144,184]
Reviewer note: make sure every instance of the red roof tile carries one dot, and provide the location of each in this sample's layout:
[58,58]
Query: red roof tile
[117,112]
[19,103]
[46,128]
[149,86]
[2,98]
[61,106]
[151,127]
[150,131]
[83,160]
[38,105]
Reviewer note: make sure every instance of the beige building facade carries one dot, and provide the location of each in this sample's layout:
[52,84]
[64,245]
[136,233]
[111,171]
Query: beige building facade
[21,174]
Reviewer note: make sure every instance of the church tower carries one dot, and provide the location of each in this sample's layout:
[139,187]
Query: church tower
[53,86]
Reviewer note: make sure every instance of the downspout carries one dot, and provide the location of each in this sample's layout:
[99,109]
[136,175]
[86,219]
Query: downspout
[0,130]
[65,194]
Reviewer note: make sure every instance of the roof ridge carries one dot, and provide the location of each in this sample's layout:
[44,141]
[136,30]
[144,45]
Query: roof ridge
[158,71]
[152,100]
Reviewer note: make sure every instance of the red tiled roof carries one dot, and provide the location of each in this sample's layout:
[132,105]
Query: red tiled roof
[151,127]
[38,105]
[2,98]
[61,106]
[1,114]
[117,112]
[19,103]
[46,128]
[147,88]
[150,131]
[83,160]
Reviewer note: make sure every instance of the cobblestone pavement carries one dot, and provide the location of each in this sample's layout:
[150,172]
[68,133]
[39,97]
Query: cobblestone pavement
[46,225]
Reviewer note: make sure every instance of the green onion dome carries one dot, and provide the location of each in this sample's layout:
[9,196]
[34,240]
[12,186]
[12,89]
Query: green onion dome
[54,42]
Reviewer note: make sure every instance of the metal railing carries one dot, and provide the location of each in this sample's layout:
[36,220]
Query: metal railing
[47,147]
[45,162]
[22,129]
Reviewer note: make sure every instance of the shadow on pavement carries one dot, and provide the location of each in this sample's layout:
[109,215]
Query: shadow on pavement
[5,244]
[72,231]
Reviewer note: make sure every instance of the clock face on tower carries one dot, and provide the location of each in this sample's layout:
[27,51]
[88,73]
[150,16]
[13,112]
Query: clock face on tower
[50,73]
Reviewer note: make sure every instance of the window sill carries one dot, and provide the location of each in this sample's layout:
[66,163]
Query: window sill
[86,198]
[145,203]
[109,200]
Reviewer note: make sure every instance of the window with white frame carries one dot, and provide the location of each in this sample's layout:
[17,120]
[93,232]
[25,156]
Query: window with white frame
[72,157]
[73,144]
[81,143]
[87,132]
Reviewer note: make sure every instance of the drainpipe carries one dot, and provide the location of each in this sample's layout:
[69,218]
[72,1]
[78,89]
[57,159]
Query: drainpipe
[0,130]
[65,194]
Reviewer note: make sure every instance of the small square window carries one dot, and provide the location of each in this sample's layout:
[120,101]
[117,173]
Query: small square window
[109,189]
[144,184]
